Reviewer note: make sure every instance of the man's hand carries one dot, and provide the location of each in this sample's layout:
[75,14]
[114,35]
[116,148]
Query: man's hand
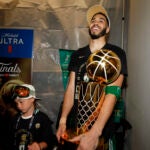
[34,146]
[86,141]
[37,146]
[61,131]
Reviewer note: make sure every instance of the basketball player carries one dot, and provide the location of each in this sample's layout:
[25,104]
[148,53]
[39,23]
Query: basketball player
[99,28]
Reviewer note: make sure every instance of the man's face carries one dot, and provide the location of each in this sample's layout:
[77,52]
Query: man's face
[98,26]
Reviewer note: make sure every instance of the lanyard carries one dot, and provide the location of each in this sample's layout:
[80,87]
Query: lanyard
[30,123]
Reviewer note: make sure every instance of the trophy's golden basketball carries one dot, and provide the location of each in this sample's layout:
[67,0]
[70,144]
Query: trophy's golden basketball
[103,66]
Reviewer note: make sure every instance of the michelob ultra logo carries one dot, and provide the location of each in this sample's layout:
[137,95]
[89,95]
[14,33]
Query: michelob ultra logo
[16,43]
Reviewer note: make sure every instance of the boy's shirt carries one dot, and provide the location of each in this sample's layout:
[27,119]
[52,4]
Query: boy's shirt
[37,128]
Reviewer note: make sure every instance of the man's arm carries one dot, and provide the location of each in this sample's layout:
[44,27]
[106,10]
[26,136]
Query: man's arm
[107,108]
[69,96]
[67,105]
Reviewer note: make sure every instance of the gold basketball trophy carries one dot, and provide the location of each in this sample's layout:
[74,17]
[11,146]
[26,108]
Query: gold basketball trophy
[103,67]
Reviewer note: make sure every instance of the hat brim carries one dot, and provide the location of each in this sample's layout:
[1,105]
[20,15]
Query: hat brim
[38,99]
[26,98]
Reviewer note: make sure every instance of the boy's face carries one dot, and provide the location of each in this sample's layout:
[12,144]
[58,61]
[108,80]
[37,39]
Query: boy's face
[25,105]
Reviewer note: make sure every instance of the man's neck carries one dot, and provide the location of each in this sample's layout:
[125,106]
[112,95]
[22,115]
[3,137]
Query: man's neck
[97,44]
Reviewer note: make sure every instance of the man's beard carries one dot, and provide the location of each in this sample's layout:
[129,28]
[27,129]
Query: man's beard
[96,36]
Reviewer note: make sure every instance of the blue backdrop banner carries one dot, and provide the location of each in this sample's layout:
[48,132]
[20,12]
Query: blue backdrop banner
[16,43]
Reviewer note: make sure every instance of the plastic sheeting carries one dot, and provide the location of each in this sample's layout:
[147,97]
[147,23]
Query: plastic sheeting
[57,24]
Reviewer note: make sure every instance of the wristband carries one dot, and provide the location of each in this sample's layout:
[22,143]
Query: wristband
[115,90]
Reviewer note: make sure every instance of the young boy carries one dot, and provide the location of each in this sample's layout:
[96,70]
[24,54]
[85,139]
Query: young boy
[30,129]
